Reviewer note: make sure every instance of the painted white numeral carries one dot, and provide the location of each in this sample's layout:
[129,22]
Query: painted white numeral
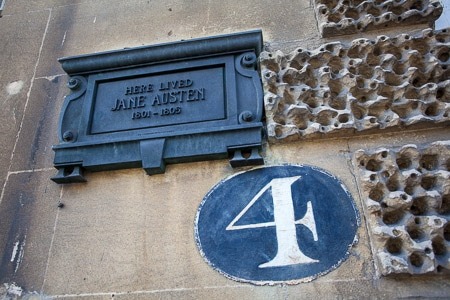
[289,252]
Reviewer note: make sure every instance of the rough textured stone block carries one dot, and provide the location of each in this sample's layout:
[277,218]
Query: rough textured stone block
[367,84]
[336,17]
[407,203]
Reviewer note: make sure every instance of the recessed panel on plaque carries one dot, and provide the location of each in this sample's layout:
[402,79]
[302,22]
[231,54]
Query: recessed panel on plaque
[157,100]
[178,102]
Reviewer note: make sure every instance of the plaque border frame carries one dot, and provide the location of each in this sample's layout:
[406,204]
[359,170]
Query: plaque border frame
[239,136]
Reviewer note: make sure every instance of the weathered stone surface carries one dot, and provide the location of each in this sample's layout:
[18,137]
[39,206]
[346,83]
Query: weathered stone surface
[95,26]
[407,200]
[40,124]
[368,84]
[27,220]
[25,6]
[338,17]
[18,58]
[129,236]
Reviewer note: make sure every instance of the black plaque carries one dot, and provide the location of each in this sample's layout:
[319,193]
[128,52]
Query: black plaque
[148,106]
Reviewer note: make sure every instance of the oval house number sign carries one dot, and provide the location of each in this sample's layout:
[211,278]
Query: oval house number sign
[279,224]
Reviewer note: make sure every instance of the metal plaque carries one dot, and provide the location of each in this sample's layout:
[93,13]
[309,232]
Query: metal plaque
[148,106]
[279,224]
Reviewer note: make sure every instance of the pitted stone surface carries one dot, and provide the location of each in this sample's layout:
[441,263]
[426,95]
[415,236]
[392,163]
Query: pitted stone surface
[343,88]
[407,200]
[337,17]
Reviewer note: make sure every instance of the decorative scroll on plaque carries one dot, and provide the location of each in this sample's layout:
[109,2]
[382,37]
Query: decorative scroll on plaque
[148,106]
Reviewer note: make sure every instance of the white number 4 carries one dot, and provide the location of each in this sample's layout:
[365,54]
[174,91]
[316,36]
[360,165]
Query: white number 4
[289,252]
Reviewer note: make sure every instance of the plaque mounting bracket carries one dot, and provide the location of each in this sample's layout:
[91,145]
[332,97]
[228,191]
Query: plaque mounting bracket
[149,106]
[152,154]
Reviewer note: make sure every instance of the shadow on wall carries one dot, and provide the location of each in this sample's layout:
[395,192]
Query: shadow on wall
[31,219]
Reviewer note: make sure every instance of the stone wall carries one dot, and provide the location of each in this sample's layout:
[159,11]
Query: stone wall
[407,197]
[343,88]
[338,17]
[370,107]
